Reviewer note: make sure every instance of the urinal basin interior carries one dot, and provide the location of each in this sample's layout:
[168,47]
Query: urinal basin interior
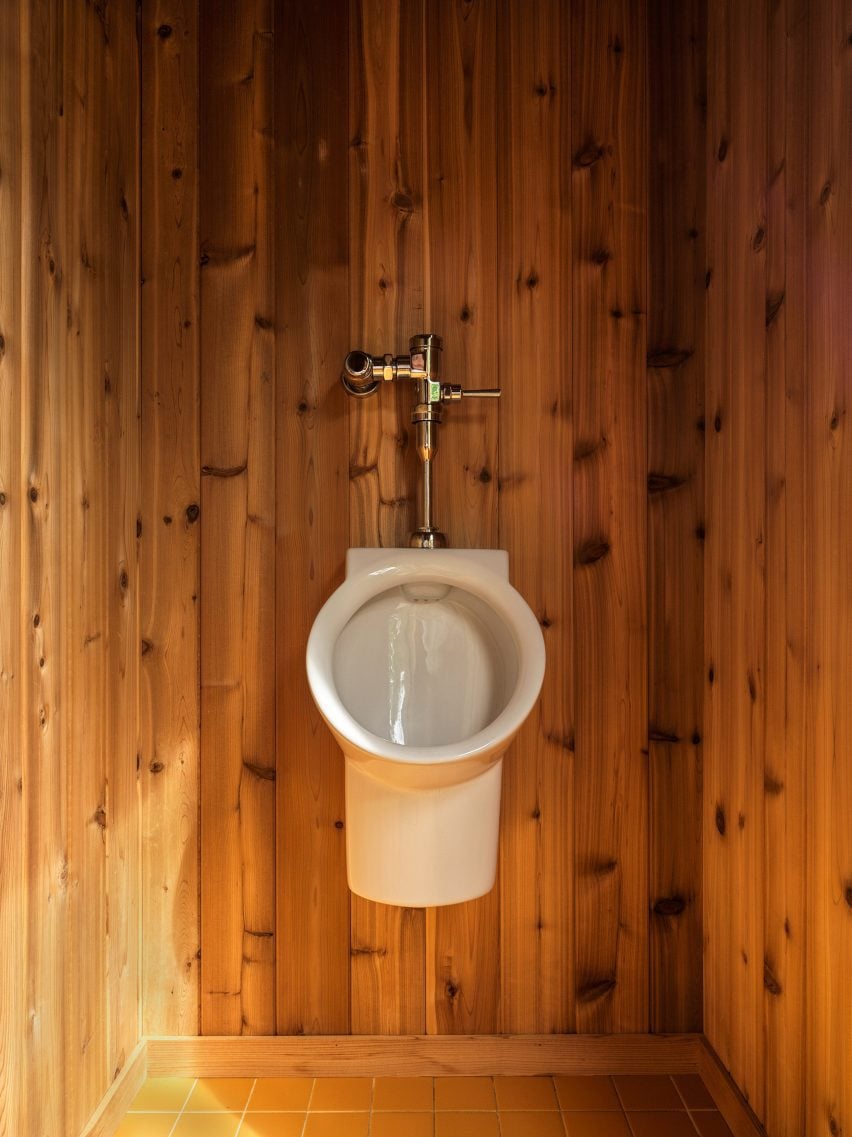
[425,664]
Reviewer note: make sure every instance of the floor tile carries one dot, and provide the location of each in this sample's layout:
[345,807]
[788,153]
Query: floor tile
[272,1125]
[410,1094]
[146,1125]
[693,1091]
[281,1093]
[466,1123]
[710,1123]
[163,1094]
[586,1092]
[402,1125]
[647,1091]
[337,1125]
[349,1095]
[220,1094]
[464,1093]
[661,1123]
[594,1124]
[520,1123]
[207,1124]
[525,1093]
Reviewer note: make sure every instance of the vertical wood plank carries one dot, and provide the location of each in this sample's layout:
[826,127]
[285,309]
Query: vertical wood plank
[387,254]
[535,510]
[736,531]
[237,360]
[676,266]
[312,298]
[13,961]
[463,981]
[119,296]
[42,378]
[784,773]
[828,1043]
[610,508]
[169,567]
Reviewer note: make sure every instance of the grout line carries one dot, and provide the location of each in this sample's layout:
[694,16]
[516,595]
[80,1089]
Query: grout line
[183,1107]
[245,1109]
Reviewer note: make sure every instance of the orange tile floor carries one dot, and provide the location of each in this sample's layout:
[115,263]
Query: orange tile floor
[621,1106]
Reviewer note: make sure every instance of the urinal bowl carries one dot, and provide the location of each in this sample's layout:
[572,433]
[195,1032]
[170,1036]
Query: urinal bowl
[424,664]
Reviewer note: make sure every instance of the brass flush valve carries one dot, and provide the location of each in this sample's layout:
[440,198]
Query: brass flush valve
[362,376]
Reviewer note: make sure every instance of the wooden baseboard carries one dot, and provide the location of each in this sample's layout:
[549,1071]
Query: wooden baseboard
[115,1103]
[383,1055]
[732,1105]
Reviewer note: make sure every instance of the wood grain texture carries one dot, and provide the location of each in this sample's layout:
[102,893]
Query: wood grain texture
[12,649]
[470,1055]
[312,298]
[170,554]
[386,250]
[828,480]
[736,529]
[69,387]
[676,300]
[784,766]
[536,436]
[463,968]
[609,205]
[237,596]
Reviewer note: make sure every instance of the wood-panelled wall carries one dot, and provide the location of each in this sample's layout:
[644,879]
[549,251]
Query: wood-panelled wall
[778,628]
[69,496]
[325,175]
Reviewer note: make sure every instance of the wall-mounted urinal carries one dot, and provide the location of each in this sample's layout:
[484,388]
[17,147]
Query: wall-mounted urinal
[425,664]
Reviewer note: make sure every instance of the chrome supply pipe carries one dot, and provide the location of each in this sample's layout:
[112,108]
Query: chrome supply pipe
[362,376]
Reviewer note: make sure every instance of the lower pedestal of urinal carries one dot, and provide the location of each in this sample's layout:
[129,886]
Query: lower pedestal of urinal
[422,847]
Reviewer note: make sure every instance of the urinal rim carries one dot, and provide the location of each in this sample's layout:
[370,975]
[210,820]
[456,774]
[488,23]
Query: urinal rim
[423,566]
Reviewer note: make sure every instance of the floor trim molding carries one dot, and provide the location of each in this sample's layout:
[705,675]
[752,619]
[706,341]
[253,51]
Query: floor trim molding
[732,1105]
[115,1103]
[388,1055]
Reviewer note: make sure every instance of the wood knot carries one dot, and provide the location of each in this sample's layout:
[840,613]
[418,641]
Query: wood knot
[834,421]
[156,767]
[592,550]
[741,820]
[752,686]
[263,322]
[616,46]
[383,284]
[661,358]
[147,647]
[825,194]
[545,621]
[662,483]
[99,817]
[484,476]
[696,738]
[36,620]
[591,990]
[302,407]
[464,315]
[717,422]
[338,824]
[847,895]
[833,1127]
[601,256]
[711,676]
[532,280]
[771,785]
[167,519]
[452,991]
[721,824]
[2,499]
[617,314]
[177,173]
[402,202]
[590,153]
[722,152]
[122,205]
[536,814]
[164,31]
[123,580]
[669,906]
[770,980]
[33,494]
[192,513]
[700,532]
[759,239]
[708,276]
[773,306]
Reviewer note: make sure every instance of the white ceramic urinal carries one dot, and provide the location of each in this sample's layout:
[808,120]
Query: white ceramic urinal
[424,663]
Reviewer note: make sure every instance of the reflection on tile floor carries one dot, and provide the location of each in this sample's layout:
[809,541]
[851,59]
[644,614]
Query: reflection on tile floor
[575,1106]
